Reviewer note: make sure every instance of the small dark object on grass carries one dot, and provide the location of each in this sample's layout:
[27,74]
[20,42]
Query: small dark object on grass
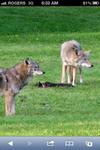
[50,84]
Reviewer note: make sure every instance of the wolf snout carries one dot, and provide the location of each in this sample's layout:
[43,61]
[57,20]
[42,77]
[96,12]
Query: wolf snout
[43,72]
[92,65]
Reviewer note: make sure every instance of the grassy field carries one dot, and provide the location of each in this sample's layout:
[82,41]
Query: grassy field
[38,33]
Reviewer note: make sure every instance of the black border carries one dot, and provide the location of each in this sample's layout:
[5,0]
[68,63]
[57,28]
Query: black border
[49,3]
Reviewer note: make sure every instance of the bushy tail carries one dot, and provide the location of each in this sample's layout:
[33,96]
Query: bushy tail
[1,79]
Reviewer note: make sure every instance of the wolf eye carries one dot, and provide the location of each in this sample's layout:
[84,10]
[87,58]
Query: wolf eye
[36,67]
[85,59]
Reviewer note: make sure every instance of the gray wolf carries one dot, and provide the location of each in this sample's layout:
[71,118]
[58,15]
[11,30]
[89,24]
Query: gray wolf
[12,80]
[73,59]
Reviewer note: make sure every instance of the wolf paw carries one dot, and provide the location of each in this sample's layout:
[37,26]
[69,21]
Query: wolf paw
[81,81]
[73,84]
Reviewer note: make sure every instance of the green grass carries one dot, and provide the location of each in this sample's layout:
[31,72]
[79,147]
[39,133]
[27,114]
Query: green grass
[38,33]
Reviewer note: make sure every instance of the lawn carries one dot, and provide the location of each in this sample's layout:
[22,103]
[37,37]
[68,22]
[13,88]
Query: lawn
[37,33]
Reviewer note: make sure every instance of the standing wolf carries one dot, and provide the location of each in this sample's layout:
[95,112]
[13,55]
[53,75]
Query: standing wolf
[73,58]
[14,79]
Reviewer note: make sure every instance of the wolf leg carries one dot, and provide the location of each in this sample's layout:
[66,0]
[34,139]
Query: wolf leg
[81,78]
[13,107]
[74,75]
[71,73]
[63,73]
[9,104]
[68,74]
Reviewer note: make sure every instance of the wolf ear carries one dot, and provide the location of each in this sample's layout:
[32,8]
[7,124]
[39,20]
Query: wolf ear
[79,53]
[87,53]
[27,61]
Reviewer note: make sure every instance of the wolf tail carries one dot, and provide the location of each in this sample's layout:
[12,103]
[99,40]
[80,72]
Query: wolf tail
[3,80]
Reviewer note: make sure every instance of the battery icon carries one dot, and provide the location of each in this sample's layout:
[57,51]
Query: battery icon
[95,2]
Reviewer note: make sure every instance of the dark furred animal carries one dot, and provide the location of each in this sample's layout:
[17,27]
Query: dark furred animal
[50,84]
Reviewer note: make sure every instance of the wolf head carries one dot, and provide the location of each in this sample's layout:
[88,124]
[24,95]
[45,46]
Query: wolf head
[33,67]
[83,59]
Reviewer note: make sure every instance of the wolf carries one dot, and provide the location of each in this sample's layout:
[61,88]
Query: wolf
[13,79]
[73,59]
